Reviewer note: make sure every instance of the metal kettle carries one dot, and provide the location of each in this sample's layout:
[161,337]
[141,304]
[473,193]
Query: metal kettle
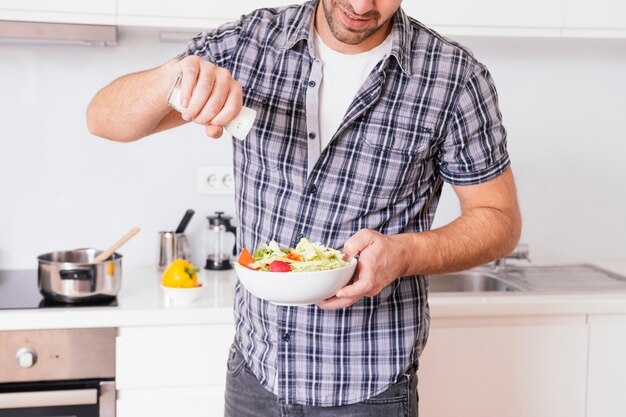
[218,244]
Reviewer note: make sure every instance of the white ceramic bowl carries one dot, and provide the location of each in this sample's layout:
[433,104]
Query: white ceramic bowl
[295,288]
[183,295]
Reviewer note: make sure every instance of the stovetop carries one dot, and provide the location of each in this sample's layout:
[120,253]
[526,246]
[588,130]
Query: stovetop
[19,290]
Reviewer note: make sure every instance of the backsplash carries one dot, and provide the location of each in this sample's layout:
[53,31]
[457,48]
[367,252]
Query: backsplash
[63,188]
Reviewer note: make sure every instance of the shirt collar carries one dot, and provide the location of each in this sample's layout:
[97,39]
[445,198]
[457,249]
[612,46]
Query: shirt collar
[401,35]
[301,28]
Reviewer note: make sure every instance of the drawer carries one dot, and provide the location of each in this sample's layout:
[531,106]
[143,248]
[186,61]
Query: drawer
[167,402]
[172,356]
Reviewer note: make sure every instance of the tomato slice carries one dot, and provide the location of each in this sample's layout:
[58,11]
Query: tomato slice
[293,256]
[247,260]
[280,266]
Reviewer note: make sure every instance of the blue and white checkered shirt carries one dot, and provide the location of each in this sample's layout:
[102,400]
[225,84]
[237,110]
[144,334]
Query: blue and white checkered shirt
[427,113]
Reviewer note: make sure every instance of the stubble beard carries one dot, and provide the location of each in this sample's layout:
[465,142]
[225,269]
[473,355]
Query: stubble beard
[345,34]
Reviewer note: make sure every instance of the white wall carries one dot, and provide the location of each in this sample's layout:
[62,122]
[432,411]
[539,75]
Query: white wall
[564,106]
[61,188]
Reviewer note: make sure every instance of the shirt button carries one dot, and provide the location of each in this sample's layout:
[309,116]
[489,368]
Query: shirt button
[311,135]
[286,337]
[311,83]
[312,189]
[300,236]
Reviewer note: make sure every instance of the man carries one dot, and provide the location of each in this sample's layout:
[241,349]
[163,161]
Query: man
[362,114]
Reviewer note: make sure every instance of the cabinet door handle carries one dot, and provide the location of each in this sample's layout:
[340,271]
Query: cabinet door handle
[48,398]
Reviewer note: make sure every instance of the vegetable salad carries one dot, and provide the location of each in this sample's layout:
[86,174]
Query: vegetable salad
[306,257]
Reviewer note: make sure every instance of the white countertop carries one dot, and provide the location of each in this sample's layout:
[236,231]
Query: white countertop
[141,302]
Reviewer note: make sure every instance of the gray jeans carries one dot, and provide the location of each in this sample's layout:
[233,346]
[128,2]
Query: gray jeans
[246,397]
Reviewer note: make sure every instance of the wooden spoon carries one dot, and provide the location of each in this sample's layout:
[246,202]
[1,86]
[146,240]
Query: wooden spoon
[105,255]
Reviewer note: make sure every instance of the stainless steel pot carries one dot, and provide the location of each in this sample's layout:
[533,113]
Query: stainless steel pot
[69,277]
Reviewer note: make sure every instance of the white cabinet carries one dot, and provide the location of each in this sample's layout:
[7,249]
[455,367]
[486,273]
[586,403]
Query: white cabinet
[100,12]
[172,370]
[600,17]
[487,366]
[607,366]
[505,366]
[199,14]
[188,402]
[552,18]
[186,14]
[490,17]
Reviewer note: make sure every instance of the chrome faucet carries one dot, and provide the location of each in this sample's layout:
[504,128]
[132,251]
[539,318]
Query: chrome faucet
[520,252]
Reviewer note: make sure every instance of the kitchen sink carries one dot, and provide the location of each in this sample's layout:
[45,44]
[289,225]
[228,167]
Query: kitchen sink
[536,279]
[568,278]
[470,281]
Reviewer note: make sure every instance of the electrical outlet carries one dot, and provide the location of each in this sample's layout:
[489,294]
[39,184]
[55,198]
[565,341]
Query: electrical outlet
[215,180]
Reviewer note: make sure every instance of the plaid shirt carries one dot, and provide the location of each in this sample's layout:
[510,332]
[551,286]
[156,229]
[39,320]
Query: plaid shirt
[427,113]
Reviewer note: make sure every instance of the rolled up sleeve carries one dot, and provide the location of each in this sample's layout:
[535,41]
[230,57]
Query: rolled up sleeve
[474,149]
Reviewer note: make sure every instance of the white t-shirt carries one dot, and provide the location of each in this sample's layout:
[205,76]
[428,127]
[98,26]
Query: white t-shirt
[342,77]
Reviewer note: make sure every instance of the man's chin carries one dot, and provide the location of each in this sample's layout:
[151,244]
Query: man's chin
[350,40]
[351,36]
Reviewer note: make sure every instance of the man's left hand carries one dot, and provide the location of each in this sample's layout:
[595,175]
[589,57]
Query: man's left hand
[381,261]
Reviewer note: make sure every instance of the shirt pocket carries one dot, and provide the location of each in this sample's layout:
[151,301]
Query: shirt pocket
[269,143]
[390,161]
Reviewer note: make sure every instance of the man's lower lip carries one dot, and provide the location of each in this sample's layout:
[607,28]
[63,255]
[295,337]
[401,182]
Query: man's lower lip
[354,23]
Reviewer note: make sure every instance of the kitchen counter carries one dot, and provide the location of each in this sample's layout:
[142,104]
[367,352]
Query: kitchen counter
[531,303]
[141,302]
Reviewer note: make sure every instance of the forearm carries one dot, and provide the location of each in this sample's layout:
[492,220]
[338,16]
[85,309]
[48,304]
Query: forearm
[478,236]
[134,106]
[488,228]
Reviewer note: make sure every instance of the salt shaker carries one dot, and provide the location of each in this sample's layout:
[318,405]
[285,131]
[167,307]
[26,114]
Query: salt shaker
[239,127]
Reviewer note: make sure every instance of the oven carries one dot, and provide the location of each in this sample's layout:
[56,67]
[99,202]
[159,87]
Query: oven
[57,373]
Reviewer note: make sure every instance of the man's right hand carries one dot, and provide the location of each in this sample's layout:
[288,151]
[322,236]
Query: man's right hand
[209,94]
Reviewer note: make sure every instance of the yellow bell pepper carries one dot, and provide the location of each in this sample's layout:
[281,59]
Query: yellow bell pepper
[180,274]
